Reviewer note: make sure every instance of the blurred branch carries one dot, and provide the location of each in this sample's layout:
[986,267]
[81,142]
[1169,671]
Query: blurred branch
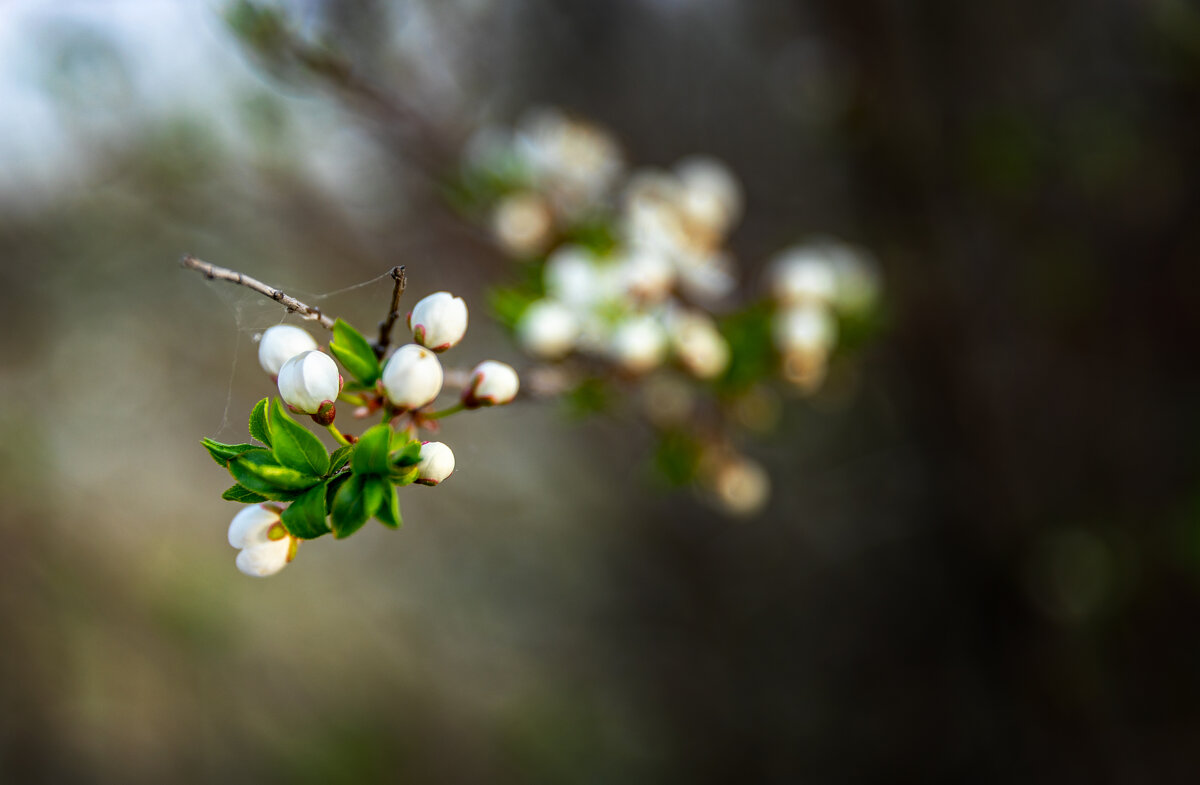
[385,327]
[212,271]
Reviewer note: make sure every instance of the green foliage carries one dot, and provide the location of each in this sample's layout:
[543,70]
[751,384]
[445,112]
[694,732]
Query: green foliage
[371,452]
[508,303]
[259,428]
[223,453]
[294,445]
[305,517]
[355,354]
[389,510]
[677,456]
[260,471]
[349,511]
[752,349]
[340,457]
[592,395]
[244,495]
[595,235]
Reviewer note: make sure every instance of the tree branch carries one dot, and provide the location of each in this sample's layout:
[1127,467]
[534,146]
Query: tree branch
[292,305]
[385,327]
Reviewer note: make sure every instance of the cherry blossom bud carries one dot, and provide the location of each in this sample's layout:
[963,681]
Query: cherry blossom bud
[437,463]
[491,383]
[741,486]
[412,377]
[266,547]
[547,329]
[711,193]
[708,278]
[280,344]
[309,380]
[571,276]
[803,274]
[522,224]
[699,345]
[805,329]
[439,321]
[638,344]
[647,275]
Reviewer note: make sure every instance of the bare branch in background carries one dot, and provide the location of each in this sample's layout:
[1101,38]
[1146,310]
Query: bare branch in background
[212,271]
[385,327]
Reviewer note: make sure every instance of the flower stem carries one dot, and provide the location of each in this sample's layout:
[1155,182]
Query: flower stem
[333,429]
[455,409]
[356,400]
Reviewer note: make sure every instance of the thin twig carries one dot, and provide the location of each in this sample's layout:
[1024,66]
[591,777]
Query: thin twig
[385,327]
[293,305]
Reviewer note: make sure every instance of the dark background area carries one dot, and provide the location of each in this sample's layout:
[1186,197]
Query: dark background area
[981,562]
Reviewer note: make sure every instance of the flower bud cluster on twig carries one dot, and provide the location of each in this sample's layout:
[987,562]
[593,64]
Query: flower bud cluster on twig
[298,490]
[628,280]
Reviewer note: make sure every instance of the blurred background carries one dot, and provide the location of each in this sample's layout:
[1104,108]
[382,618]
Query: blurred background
[981,561]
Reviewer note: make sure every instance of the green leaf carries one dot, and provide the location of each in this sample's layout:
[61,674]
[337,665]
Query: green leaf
[244,495]
[349,508]
[375,490]
[294,445]
[339,457]
[404,476]
[752,349]
[371,451]
[259,428]
[305,517]
[389,510]
[260,472]
[333,485]
[223,453]
[354,353]
[405,457]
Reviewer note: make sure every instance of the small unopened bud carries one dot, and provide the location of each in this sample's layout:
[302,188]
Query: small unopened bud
[647,275]
[547,329]
[711,195]
[309,380]
[412,377]
[280,344]
[709,277]
[572,275]
[741,486]
[805,329]
[437,463]
[266,547]
[522,224]
[491,383]
[803,274]
[638,344]
[439,321]
[699,345]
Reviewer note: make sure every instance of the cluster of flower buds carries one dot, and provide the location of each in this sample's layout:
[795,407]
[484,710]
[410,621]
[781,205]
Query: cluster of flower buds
[296,488]
[812,285]
[628,276]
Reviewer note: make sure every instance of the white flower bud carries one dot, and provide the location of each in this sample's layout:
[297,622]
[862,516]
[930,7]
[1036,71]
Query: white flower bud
[522,224]
[437,463]
[250,526]
[805,329]
[266,547]
[711,195]
[280,344]
[803,274]
[263,560]
[308,380]
[547,329]
[571,276]
[412,377]
[491,383]
[647,275]
[699,345]
[439,321]
[638,344]
[742,487]
[708,278]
